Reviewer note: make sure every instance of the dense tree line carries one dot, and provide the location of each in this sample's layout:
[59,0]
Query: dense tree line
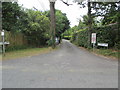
[107,10]
[107,28]
[62,22]
[33,24]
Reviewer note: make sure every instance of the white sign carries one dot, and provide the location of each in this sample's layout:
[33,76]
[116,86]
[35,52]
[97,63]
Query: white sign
[93,38]
[103,44]
[2,33]
[1,43]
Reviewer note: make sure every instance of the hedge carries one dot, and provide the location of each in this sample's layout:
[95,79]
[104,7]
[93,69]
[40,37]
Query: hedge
[106,34]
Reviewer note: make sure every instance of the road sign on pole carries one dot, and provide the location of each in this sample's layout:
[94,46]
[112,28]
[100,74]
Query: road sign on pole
[3,41]
[2,33]
[93,38]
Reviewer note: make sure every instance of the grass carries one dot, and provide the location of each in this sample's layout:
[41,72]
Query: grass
[107,52]
[26,53]
[110,53]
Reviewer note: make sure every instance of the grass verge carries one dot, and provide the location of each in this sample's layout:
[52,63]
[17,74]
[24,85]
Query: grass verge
[107,52]
[26,52]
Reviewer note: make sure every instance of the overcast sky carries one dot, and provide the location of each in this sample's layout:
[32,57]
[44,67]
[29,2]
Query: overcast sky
[74,12]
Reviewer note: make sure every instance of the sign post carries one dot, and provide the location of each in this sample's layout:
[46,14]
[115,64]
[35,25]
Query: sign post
[93,39]
[3,40]
[103,44]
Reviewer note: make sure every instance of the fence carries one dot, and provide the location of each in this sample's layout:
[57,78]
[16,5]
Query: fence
[17,40]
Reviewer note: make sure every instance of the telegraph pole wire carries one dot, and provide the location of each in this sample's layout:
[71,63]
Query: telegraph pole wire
[42,5]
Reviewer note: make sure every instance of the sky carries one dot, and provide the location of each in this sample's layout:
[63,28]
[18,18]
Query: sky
[73,12]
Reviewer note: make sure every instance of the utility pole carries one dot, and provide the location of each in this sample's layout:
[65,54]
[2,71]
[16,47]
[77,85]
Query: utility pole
[3,42]
[53,24]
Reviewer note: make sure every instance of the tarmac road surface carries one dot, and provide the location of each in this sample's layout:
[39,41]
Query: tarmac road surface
[67,67]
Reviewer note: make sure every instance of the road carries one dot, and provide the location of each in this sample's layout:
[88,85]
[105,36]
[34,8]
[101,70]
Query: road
[67,67]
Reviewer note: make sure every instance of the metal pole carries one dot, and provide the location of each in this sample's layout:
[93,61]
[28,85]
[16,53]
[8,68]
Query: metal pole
[3,40]
[52,27]
[93,46]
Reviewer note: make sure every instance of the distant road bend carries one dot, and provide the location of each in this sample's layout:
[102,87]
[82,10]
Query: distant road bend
[67,67]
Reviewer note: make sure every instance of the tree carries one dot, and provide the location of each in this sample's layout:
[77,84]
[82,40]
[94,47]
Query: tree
[62,22]
[10,14]
[83,4]
[37,28]
[107,10]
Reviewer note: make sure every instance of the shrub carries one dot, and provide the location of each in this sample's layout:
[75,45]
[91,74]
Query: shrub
[16,47]
[106,34]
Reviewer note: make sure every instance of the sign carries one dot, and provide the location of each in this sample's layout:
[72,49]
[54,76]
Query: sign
[1,43]
[93,38]
[2,33]
[103,44]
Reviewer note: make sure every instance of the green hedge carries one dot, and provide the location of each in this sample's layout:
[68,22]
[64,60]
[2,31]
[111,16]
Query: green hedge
[16,47]
[106,34]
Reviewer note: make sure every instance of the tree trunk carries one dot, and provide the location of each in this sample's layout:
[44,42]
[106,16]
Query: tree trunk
[53,25]
[89,24]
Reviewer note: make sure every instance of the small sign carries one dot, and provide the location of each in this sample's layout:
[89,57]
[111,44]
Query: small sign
[93,38]
[2,33]
[103,44]
[1,43]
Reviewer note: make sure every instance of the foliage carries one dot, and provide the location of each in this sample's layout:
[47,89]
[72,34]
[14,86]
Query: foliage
[32,24]
[16,47]
[80,38]
[108,10]
[68,33]
[107,52]
[10,14]
[37,29]
[106,34]
[62,22]
[25,53]
[109,13]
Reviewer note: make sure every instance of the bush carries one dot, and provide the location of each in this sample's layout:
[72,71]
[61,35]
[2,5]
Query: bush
[105,34]
[17,47]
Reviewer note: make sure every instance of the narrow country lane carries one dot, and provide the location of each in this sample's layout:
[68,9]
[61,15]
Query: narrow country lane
[67,67]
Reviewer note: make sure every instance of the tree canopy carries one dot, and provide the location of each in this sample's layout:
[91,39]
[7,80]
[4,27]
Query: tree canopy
[34,24]
[62,22]
[37,27]
[10,14]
